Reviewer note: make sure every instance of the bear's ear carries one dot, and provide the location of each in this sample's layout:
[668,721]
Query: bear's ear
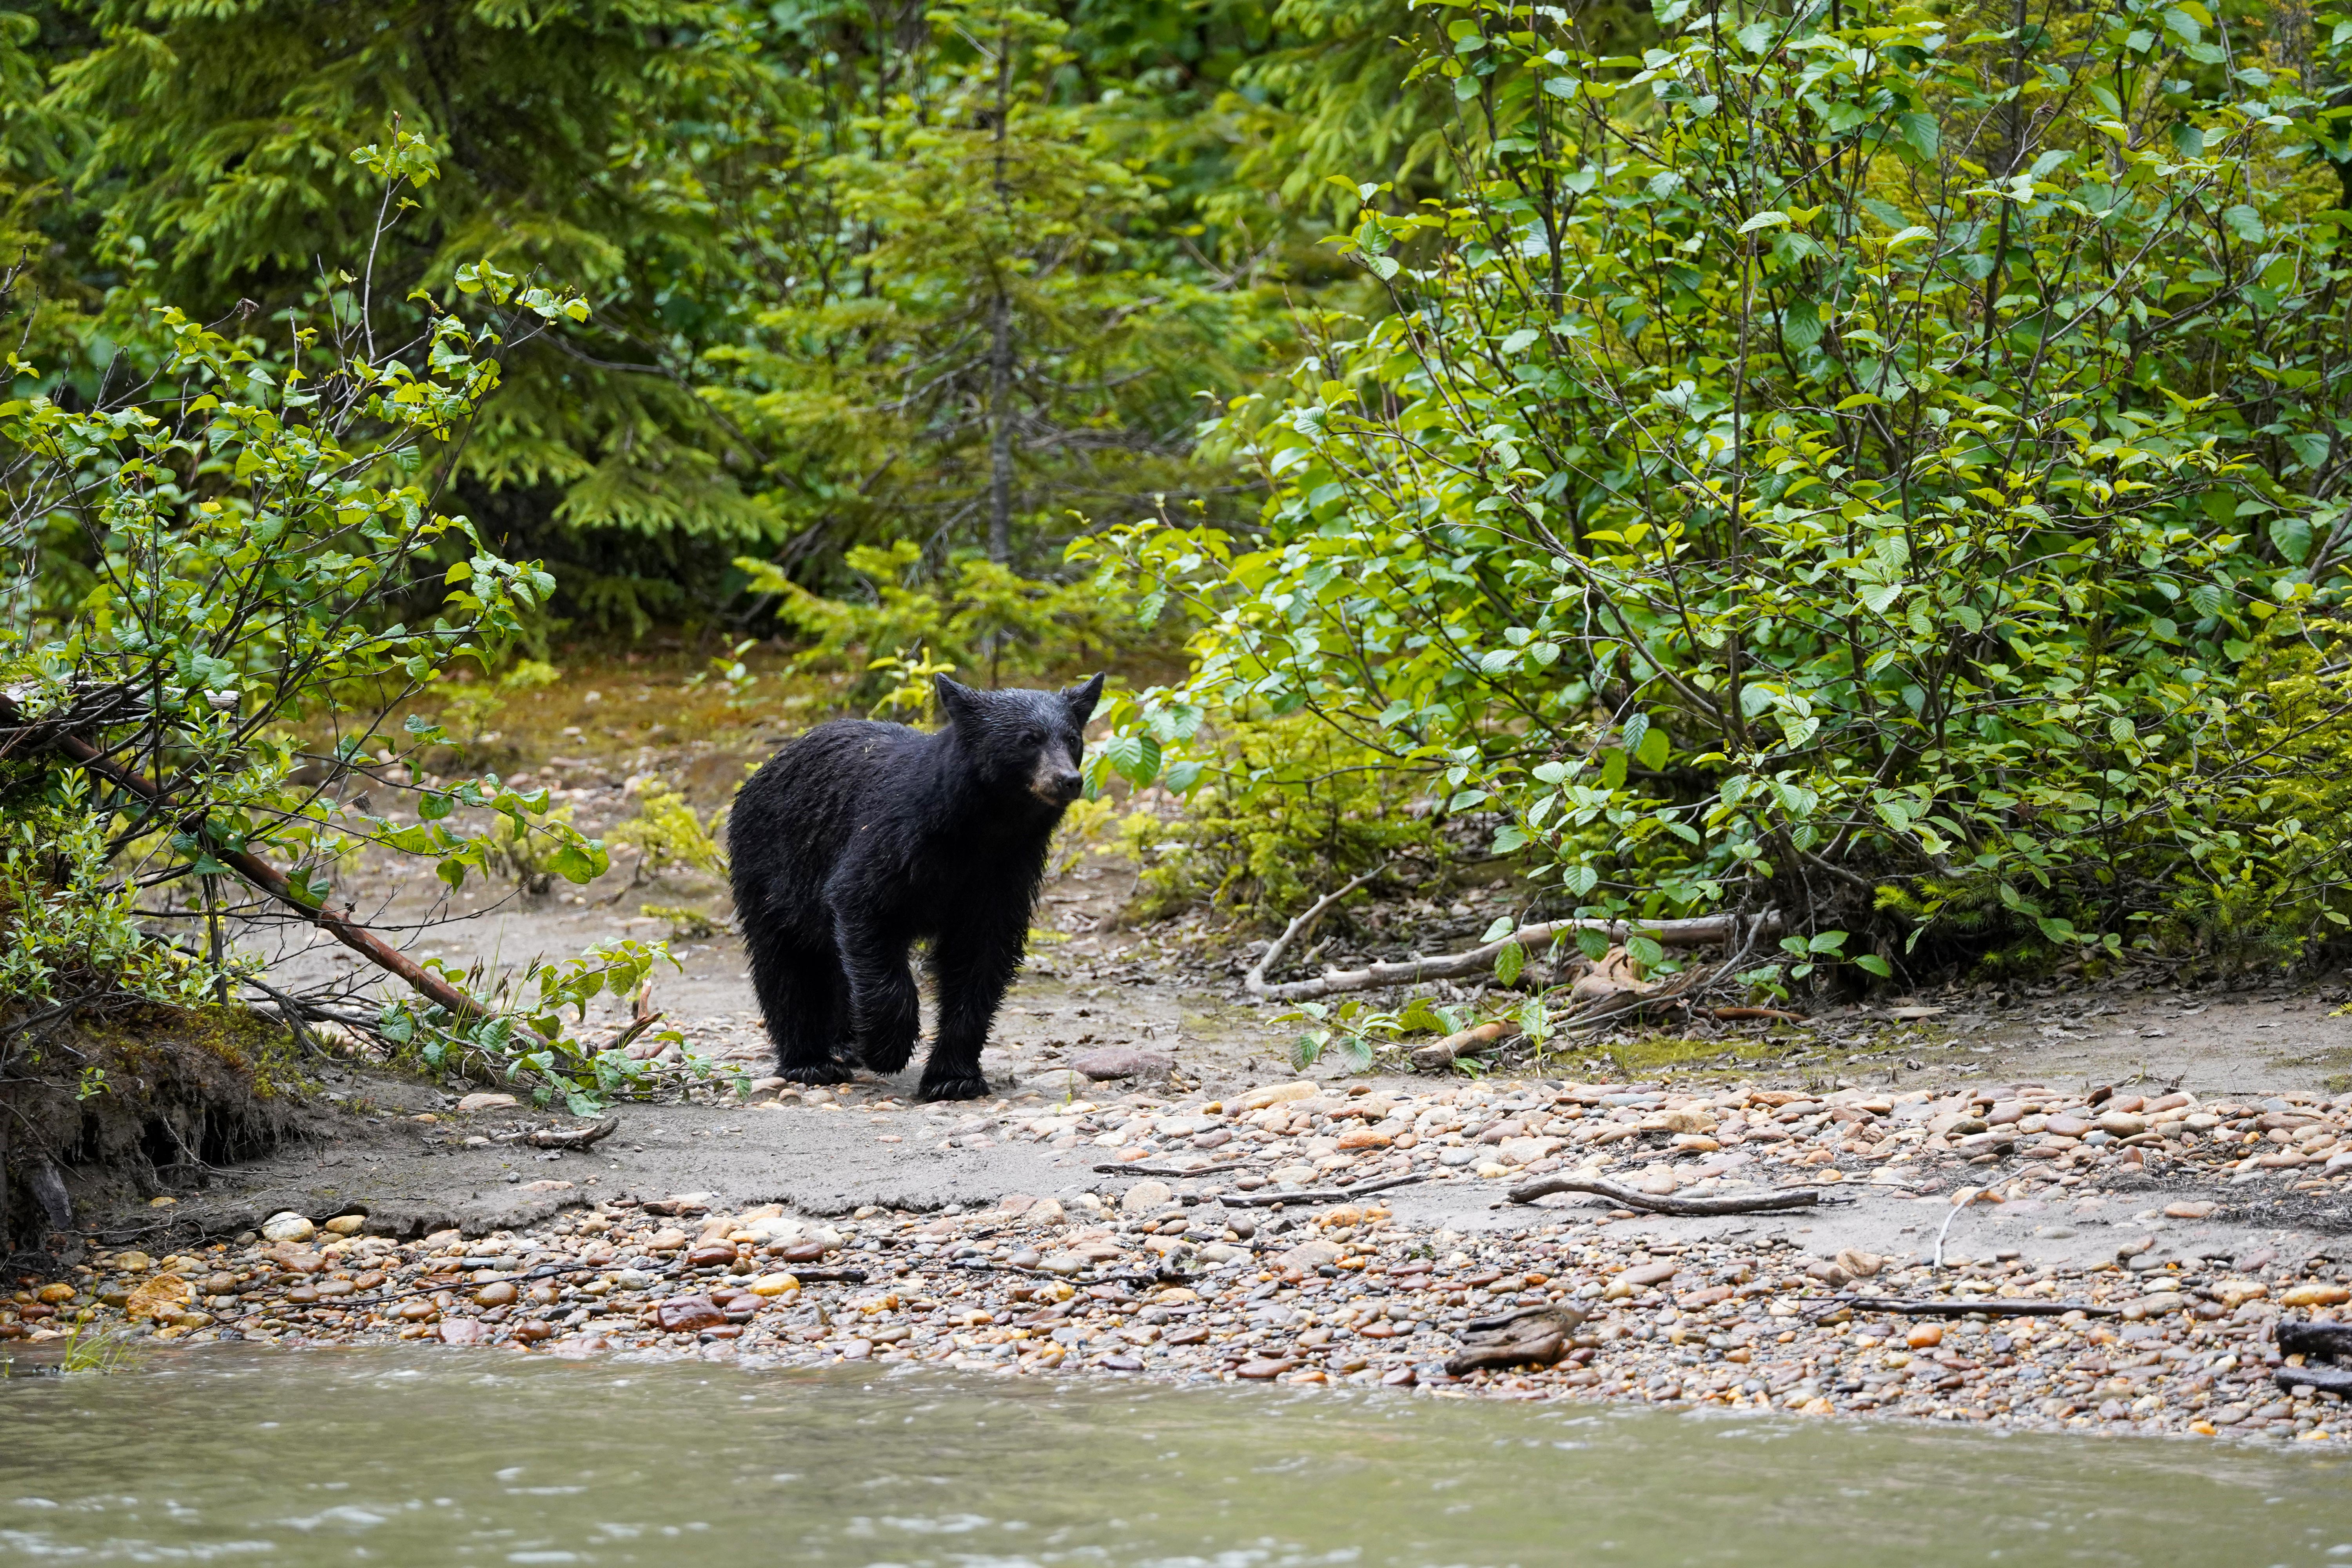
[1081,701]
[957,703]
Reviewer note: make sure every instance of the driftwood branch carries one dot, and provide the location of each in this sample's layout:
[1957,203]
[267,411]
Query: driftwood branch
[1468,1043]
[1992,1306]
[1255,979]
[1730,1203]
[572,1137]
[1316,1195]
[1479,960]
[1532,1336]
[336,923]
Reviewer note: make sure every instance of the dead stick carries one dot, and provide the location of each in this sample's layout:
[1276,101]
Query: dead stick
[336,923]
[1480,959]
[572,1137]
[1760,1202]
[1993,1306]
[1468,1043]
[1318,1195]
[1255,979]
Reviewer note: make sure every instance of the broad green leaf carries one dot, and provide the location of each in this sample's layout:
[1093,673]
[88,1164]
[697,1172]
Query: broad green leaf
[1801,324]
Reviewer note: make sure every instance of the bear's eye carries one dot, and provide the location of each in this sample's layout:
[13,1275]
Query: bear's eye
[1035,737]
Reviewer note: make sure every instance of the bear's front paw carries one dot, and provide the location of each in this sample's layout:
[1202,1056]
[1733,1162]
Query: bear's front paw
[970,1086]
[823,1072]
[888,1057]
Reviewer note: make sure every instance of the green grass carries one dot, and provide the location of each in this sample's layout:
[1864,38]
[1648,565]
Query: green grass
[94,1350]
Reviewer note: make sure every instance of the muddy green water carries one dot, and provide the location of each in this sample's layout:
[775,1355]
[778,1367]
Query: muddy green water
[425,1457]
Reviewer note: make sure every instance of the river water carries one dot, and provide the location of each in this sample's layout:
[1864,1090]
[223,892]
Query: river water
[419,1457]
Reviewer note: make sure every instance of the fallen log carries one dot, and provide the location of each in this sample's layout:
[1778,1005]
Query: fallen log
[2325,1338]
[1443,1053]
[1766,1202]
[1317,1194]
[1480,959]
[1992,1306]
[336,923]
[2333,1380]
[572,1137]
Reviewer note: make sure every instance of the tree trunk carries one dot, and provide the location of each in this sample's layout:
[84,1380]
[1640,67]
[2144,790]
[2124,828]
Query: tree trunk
[1000,331]
[1000,429]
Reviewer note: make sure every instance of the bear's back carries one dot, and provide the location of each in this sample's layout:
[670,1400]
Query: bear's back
[792,819]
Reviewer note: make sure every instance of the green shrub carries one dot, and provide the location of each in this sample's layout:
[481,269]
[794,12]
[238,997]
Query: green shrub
[667,831]
[1829,452]
[66,925]
[1279,811]
[972,616]
[244,528]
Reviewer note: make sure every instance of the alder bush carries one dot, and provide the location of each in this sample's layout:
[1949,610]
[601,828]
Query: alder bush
[209,565]
[1864,460]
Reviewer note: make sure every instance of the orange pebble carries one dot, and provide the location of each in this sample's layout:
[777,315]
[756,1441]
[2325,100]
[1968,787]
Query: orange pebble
[1926,1337]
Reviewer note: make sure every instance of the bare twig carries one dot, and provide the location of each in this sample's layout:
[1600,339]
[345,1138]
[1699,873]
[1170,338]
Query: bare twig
[1961,1307]
[1316,1195]
[1624,1196]
[1481,959]
[1142,1170]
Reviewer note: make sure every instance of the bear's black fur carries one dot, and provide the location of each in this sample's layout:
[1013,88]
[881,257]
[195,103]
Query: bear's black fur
[859,838]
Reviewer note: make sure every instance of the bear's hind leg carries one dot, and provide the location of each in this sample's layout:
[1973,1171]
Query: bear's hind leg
[885,1009]
[798,994]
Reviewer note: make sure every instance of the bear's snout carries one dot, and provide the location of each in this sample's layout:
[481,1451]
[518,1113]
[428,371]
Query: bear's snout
[1053,778]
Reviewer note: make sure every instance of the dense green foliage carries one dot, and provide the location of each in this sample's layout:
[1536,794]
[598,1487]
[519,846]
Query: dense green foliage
[857,272]
[245,533]
[1862,465]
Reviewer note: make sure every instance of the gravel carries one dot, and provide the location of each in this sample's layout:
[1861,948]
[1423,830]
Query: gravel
[1164,1281]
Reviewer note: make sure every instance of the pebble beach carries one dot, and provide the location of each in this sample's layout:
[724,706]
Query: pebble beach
[1252,1237]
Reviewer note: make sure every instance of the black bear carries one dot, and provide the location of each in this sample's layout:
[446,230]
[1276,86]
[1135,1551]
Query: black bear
[860,838]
